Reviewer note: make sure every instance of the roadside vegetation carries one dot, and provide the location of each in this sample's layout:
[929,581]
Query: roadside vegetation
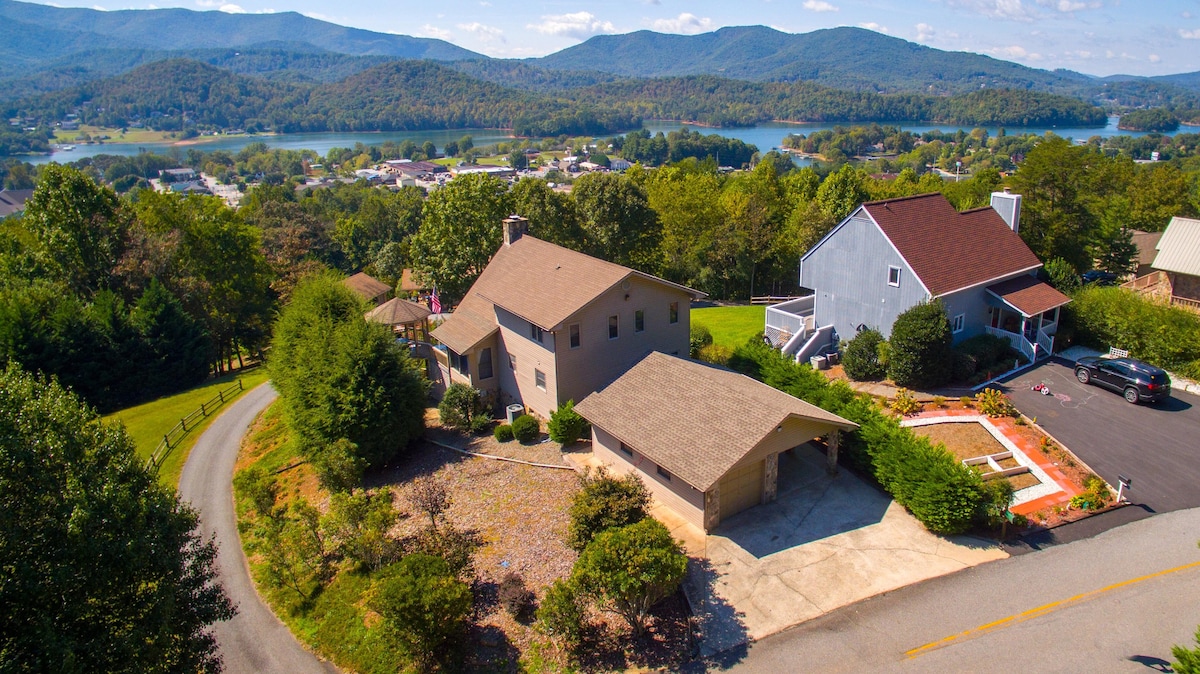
[149,422]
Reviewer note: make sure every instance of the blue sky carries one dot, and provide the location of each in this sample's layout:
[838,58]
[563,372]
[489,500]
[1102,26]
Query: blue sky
[1099,37]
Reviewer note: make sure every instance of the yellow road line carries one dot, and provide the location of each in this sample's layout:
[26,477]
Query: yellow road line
[1040,611]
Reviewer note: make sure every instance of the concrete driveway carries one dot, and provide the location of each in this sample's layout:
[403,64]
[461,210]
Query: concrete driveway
[826,542]
[1156,445]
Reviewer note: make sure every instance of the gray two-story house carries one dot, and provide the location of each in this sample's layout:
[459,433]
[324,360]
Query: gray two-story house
[890,255]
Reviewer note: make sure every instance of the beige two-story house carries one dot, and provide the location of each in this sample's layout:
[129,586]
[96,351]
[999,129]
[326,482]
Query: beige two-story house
[544,324]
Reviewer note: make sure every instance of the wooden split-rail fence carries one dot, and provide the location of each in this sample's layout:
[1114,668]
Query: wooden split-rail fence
[174,436]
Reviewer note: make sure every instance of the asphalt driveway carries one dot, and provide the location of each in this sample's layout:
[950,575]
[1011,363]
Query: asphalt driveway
[1158,446]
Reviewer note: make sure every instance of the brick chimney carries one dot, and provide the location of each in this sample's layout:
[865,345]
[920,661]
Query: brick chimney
[1008,205]
[514,227]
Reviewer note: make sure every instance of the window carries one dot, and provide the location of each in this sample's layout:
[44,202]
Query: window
[536,333]
[662,472]
[893,276]
[674,313]
[574,333]
[485,363]
[539,379]
[512,362]
[639,320]
[614,330]
[459,362]
[1050,316]
[626,450]
[958,323]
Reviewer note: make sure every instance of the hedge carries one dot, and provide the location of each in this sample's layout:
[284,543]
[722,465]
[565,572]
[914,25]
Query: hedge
[944,495]
[1166,336]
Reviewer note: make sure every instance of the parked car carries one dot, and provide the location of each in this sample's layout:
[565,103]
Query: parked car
[1137,381]
[1098,277]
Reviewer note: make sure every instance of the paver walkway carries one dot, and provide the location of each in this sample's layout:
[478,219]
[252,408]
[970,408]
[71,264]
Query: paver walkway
[1007,427]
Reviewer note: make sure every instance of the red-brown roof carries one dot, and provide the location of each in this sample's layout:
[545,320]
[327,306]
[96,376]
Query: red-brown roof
[398,311]
[366,286]
[1028,295]
[948,250]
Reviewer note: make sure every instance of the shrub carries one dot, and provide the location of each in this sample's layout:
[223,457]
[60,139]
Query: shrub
[429,495]
[339,466]
[450,544]
[1062,275]
[459,406]
[503,433]
[480,424]
[716,353]
[967,402]
[1166,336]
[939,401]
[995,404]
[561,615]
[359,526]
[630,569]
[861,357]
[605,502]
[526,429]
[515,597]
[1187,660]
[423,606]
[962,367]
[700,337]
[904,403]
[998,496]
[920,347]
[566,425]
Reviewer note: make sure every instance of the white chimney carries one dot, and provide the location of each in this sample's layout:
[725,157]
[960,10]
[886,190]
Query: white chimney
[1008,205]
[514,227]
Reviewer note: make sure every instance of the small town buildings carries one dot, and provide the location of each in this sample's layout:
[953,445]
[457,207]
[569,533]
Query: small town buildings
[177,175]
[704,439]
[368,288]
[544,324]
[889,255]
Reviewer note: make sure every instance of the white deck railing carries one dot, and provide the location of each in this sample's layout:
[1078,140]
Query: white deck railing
[1042,349]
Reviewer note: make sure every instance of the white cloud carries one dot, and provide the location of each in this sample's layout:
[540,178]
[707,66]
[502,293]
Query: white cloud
[1189,34]
[577,24]
[230,8]
[1155,58]
[819,6]
[1070,5]
[1015,52]
[925,32]
[484,32]
[871,25]
[433,31]
[1013,10]
[686,24]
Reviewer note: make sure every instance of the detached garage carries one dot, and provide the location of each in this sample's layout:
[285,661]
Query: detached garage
[704,439]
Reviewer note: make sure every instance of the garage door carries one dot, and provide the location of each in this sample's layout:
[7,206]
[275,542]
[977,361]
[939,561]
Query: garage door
[741,489]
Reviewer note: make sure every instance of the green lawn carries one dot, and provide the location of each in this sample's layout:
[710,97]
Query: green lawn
[148,422]
[731,326]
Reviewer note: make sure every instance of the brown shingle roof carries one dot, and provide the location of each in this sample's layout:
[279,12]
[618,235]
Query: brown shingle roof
[397,311]
[367,287]
[408,282]
[1028,295]
[473,321]
[948,250]
[694,419]
[1147,246]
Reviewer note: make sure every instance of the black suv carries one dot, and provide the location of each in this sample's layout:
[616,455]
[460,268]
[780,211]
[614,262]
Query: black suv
[1137,381]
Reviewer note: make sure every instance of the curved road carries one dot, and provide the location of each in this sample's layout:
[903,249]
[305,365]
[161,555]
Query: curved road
[255,640]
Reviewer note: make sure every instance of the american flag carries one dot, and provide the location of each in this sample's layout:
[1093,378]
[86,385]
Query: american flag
[435,304]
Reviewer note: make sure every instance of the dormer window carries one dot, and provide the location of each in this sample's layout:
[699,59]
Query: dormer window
[894,276]
[536,333]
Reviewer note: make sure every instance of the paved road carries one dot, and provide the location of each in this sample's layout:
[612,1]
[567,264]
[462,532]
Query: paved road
[1113,603]
[255,640]
[1156,445]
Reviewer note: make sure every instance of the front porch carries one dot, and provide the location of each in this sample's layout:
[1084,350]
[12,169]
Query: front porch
[791,320]
[1025,312]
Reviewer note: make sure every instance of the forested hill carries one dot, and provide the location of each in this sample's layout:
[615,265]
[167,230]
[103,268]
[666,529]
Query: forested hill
[843,58]
[55,32]
[182,94]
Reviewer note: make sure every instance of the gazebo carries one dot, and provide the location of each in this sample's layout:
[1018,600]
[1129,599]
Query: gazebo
[408,319]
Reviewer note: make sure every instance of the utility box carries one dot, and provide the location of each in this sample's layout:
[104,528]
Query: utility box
[513,411]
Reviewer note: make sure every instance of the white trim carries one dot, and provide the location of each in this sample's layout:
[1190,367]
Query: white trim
[961,321]
[899,271]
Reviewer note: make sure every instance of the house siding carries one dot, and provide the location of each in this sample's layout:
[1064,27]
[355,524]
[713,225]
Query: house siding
[519,385]
[975,304]
[599,360]
[679,496]
[849,270]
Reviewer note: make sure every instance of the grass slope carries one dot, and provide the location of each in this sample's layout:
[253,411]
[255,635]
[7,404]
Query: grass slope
[731,326]
[149,422]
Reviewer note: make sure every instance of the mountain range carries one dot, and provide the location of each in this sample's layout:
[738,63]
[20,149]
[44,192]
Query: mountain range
[59,56]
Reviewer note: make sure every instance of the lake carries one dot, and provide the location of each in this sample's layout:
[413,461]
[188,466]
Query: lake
[765,136]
